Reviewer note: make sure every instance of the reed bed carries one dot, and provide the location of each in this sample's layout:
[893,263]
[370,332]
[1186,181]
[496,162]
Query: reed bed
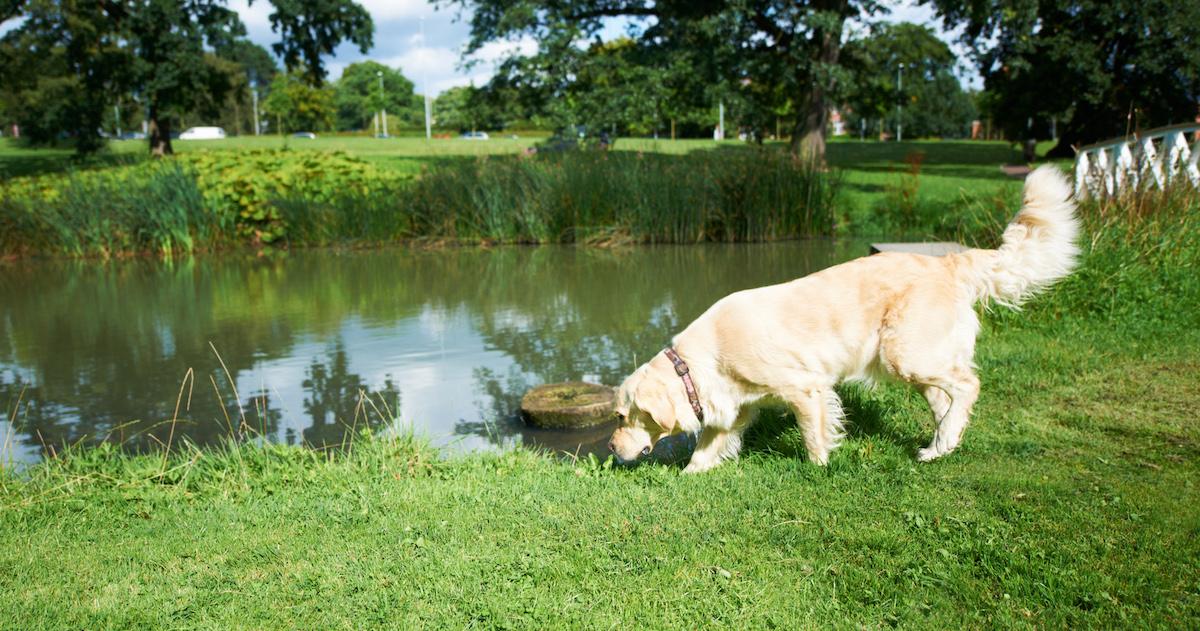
[206,201]
[150,208]
[592,197]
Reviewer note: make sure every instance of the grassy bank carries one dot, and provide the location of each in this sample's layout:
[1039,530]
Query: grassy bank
[208,200]
[1072,502]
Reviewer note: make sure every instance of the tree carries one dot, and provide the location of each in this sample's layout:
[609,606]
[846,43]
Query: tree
[772,51]
[311,29]
[606,86]
[358,97]
[299,106]
[614,89]
[466,109]
[169,68]
[54,76]
[1100,67]
[250,68]
[157,50]
[934,102]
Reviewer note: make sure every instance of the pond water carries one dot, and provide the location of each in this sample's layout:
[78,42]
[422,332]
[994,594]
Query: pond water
[318,342]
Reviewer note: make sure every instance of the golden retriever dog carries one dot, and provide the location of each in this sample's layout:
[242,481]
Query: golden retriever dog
[895,316]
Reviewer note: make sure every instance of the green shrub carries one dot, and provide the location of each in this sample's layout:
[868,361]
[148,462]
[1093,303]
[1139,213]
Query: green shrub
[247,183]
[194,201]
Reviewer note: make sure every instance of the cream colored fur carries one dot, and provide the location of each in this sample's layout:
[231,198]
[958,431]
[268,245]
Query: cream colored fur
[900,316]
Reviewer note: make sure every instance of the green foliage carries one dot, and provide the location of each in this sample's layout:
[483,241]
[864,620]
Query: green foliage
[772,55]
[67,62]
[311,29]
[294,105]
[616,196]
[155,208]
[248,184]
[1102,68]
[198,201]
[58,69]
[358,96]
[465,108]
[934,102]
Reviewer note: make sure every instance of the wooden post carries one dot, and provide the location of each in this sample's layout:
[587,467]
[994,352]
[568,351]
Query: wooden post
[672,129]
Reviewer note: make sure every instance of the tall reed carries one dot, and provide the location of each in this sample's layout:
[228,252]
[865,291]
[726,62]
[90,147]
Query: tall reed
[154,208]
[588,196]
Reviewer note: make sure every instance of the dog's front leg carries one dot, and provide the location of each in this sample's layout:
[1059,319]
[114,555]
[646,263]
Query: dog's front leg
[710,450]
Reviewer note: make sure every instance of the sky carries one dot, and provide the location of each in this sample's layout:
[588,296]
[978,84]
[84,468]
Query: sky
[433,61]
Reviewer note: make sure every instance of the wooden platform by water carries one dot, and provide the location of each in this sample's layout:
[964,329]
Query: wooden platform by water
[930,248]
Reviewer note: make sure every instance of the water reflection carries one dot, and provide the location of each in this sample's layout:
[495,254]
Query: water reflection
[317,343]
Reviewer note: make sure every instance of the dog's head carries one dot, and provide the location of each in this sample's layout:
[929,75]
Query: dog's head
[651,404]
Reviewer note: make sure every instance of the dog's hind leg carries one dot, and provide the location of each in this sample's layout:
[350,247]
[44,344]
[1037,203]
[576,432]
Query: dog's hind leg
[819,414]
[938,400]
[961,387]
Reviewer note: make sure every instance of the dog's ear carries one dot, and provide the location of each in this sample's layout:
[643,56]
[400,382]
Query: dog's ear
[655,400]
[665,400]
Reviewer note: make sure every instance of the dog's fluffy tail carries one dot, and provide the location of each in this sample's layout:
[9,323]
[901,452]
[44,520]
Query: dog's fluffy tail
[1039,245]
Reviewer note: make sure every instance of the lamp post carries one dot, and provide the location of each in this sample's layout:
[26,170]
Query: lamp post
[899,103]
[720,120]
[382,108]
[254,96]
[425,82]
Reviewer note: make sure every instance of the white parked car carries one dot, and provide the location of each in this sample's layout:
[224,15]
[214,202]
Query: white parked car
[475,135]
[202,133]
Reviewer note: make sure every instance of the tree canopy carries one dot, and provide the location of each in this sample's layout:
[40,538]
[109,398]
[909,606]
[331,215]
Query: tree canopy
[772,54]
[358,97]
[296,105]
[1102,68]
[934,103]
[69,62]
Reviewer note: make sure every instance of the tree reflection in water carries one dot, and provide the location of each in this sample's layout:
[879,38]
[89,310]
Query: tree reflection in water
[340,402]
[100,349]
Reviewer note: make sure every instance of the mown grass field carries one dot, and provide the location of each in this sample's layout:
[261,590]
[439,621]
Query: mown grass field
[1073,501]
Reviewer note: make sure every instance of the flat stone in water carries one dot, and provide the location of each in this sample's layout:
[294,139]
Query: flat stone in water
[569,405]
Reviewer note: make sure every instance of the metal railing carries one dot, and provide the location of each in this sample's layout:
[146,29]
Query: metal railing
[1156,157]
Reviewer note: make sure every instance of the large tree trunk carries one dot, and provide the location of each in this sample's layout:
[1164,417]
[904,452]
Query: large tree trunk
[808,137]
[160,134]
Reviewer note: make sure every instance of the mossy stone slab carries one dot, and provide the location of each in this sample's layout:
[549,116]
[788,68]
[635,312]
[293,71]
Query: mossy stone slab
[569,405]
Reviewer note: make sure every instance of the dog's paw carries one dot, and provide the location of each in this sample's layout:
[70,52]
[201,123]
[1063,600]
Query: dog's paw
[928,453]
[697,467]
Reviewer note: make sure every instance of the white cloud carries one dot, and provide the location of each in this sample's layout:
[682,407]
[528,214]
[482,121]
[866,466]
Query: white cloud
[256,17]
[493,52]
[426,64]
[384,10]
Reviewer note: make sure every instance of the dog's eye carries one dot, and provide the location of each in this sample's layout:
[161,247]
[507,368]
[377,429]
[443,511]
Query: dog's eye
[646,450]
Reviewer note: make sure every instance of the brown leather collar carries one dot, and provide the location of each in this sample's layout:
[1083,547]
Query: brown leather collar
[681,369]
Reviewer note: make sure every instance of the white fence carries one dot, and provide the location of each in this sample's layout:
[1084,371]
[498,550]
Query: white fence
[1155,157]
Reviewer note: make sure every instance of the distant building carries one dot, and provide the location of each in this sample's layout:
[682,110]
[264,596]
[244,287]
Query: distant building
[839,125]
